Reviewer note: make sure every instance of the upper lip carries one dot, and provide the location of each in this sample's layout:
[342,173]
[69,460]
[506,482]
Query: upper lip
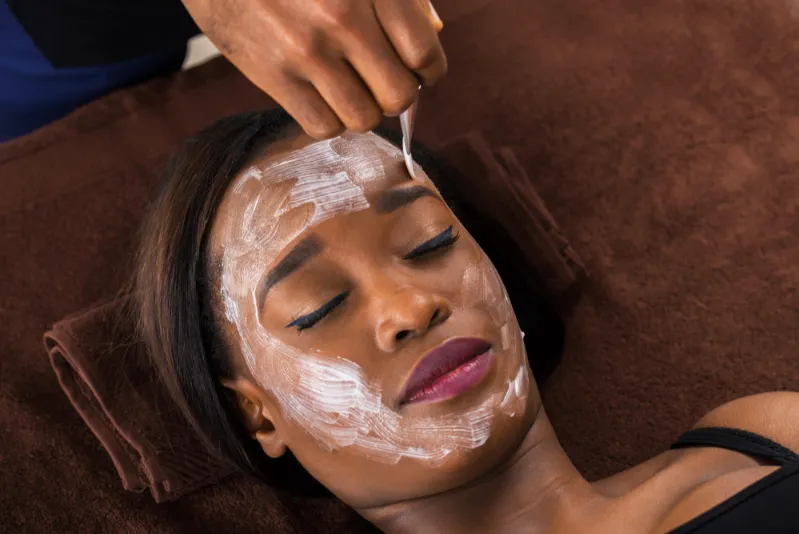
[441,360]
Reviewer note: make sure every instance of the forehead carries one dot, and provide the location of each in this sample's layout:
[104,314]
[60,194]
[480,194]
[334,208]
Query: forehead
[300,182]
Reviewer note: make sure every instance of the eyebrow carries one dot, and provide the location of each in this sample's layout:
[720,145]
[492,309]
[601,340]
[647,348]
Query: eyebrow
[393,199]
[301,254]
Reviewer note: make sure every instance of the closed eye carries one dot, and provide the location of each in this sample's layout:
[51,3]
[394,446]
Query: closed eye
[442,240]
[307,321]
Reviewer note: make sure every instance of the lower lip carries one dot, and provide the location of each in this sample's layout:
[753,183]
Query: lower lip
[455,382]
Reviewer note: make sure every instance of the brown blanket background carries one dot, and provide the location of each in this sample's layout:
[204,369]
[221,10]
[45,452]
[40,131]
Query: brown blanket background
[665,139]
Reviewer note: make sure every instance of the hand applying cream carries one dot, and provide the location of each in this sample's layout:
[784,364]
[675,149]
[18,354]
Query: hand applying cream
[332,65]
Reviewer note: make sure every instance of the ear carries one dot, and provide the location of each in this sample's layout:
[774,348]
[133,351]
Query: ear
[256,416]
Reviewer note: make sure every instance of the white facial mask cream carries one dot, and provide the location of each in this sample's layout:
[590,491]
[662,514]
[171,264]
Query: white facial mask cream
[331,397]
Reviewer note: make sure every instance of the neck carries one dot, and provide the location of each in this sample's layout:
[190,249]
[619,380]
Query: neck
[538,489]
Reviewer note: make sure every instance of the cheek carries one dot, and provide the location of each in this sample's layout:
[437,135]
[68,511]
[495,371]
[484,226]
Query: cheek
[453,272]
[482,287]
[320,395]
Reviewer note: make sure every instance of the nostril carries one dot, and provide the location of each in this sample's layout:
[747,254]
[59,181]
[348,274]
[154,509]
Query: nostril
[402,334]
[434,317]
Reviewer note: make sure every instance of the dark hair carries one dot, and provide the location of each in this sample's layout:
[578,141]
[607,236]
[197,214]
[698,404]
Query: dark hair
[174,295]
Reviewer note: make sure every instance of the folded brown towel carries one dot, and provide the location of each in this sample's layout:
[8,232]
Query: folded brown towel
[104,369]
[105,372]
[504,190]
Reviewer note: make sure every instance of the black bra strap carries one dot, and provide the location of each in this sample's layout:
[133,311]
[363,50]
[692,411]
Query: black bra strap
[738,441]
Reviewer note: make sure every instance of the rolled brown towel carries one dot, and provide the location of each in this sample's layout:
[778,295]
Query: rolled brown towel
[104,370]
[106,374]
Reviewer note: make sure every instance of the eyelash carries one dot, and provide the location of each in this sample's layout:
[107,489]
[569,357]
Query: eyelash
[442,240]
[307,321]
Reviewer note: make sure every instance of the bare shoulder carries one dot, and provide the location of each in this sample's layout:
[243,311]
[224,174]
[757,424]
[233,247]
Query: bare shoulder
[773,415]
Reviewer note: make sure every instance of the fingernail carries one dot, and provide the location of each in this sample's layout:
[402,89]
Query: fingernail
[437,22]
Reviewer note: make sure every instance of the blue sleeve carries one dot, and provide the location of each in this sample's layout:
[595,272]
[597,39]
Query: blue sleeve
[34,93]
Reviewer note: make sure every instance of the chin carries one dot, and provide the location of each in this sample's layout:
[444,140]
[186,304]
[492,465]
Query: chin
[508,432]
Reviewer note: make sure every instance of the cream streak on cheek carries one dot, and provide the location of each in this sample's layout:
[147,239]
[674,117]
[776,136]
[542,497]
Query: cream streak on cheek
[330,397]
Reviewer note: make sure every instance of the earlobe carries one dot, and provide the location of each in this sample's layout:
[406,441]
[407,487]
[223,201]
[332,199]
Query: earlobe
[272,445]
[256,416]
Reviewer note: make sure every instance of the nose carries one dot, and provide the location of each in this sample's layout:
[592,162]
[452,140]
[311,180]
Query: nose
[406,314]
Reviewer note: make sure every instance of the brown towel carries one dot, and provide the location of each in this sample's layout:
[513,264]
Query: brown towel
[104,370]
[505,190]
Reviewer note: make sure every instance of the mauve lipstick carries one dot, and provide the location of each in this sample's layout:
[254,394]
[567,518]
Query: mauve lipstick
[448,370]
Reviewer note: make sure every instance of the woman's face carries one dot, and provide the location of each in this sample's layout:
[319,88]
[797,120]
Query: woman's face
[373,336]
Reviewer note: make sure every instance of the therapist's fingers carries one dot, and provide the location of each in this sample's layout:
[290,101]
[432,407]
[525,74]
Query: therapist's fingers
[303,102]
[393,86]
[346,94]
[331,64]
[410,27]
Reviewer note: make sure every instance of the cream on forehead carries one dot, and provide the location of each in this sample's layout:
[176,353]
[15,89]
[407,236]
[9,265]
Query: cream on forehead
[330,397]
[328,175]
